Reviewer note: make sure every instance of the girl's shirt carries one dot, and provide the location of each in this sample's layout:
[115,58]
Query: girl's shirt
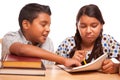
[110,46]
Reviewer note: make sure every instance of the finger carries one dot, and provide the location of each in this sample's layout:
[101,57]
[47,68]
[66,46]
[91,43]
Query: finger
[107,64]
[77,58]
[76,63]
[108,70]
[83,53]
[106,61]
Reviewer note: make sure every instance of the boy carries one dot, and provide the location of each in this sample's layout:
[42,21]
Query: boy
[32,38]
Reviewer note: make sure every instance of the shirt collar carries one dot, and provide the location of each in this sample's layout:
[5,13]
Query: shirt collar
[26,41]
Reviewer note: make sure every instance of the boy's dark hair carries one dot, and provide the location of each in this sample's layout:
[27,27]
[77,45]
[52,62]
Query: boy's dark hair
[30,12]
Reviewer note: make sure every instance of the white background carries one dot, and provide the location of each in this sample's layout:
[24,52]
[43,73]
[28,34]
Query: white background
[63,16]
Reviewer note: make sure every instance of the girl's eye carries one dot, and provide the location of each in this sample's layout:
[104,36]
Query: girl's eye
[94,25]
[82,26]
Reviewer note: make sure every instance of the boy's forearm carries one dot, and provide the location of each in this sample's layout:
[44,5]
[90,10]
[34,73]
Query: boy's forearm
[33,51]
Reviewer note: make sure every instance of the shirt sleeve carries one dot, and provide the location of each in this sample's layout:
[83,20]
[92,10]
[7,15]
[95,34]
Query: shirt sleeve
[65,47]
[48,45]
[111,46]
[8,40]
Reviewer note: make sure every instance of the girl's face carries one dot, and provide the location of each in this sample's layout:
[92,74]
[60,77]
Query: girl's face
[38,30]
[89,28]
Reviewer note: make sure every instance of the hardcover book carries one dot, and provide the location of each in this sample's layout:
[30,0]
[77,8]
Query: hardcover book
[19,65]
[14,61]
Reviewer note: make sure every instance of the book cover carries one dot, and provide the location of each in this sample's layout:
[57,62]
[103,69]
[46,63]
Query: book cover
[14,61]
[94,65]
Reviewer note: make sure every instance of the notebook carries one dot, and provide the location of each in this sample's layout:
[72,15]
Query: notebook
[94,65]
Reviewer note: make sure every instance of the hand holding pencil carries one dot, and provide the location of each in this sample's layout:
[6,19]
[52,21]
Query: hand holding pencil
[80,55]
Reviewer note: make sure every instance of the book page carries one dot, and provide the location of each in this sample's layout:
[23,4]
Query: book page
[0,51]
[27,72]
[94,65]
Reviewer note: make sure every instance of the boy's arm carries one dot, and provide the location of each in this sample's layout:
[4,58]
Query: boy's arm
[34,51]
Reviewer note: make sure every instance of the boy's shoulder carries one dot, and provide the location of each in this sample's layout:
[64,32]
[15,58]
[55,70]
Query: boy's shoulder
[10,35]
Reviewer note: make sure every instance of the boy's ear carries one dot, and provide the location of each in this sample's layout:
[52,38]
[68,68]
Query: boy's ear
[25,24]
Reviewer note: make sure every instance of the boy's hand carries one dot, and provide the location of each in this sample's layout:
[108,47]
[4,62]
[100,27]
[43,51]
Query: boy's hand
[69,62]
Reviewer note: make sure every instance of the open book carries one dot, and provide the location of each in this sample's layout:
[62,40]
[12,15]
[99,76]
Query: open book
[94,65]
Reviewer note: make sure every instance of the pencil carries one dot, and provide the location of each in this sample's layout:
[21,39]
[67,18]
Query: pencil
[84,62]
[84,59]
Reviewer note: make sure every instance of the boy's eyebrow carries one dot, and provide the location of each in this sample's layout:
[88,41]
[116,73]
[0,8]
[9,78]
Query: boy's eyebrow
[45,22]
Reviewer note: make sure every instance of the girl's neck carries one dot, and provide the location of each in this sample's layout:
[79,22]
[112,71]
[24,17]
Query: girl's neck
[86,46]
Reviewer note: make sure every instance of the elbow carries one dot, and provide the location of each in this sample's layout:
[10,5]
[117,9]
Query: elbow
[17,49]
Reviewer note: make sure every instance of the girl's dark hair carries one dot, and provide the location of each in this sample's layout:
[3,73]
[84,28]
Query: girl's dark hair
[91,11]
[30,12]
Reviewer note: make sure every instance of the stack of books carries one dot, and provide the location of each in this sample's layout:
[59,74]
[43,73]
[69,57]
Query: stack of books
[19,65]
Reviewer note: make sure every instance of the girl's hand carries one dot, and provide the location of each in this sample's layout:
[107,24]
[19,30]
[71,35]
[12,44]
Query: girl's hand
[79,55]
[109,67]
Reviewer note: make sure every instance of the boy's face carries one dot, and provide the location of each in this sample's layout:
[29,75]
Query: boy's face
[38,30]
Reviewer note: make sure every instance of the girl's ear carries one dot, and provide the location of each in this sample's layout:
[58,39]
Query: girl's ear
[26,24]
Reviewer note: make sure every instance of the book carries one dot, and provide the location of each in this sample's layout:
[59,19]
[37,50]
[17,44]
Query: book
[17,65]
[94,65]
[14,61]
[23,72]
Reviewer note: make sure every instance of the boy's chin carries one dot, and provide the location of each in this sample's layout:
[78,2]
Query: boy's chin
[42,41]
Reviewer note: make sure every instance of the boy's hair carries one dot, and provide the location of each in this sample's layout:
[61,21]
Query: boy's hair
[30,12]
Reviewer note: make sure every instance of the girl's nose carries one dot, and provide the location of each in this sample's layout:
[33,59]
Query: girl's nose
[88,30]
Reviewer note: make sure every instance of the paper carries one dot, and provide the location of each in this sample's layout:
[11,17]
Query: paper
[0,51]
[114,60]
[94,65]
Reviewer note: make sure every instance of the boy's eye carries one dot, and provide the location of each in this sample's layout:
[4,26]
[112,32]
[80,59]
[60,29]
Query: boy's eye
[43,24]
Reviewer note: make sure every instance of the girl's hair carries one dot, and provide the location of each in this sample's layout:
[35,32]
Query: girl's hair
[91,11]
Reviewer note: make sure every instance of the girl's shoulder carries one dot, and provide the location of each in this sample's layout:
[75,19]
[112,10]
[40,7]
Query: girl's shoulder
[107,36]
[69,40]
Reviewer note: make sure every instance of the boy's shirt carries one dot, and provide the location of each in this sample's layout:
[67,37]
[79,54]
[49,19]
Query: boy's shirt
[12,37]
